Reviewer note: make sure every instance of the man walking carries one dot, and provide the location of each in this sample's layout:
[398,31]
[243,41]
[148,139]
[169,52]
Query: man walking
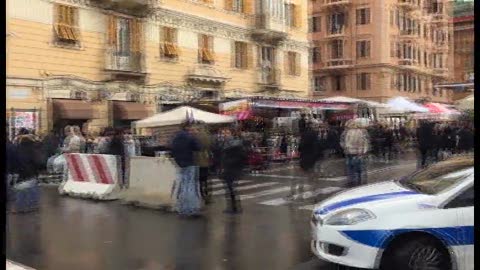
[183,148]
[356,144]
[203,160]
[233,162]
[308,149]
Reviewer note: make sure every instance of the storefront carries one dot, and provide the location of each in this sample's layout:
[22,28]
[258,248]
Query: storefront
[71,112]
[126,112]
[22,118]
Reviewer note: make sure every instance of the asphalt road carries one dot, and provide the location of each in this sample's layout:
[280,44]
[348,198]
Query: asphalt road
[70,233]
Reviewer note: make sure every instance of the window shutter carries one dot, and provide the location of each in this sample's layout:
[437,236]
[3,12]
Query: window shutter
[233,55]
[359,49]
[368,81]
[112,30]
[358,16]
[200,47]
[367,49]
[250,50]
[286,63]
[367,15]
[359,81]
[248,6]
[297,21]
[311,26]
[229,5]
[298,64]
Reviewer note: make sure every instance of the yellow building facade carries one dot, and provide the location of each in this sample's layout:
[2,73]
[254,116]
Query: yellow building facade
[99,63]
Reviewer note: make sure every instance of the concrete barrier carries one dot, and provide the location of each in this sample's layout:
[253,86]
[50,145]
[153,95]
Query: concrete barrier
[151,180]
[92,176]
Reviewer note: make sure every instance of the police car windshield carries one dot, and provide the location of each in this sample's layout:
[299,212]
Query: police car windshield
[439,177]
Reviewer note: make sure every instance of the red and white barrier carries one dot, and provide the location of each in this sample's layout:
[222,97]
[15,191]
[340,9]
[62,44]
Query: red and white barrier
[92,176]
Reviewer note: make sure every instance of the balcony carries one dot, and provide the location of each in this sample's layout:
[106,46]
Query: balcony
[140,8]
[336,4]
[440,71]
[439,18]
[338,64]
[268,29]
[409,34]
[406,62]
[124,63]
[336,31]
[408,5]
[269,77]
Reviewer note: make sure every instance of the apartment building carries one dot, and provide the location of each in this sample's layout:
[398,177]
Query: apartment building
[380,49]
[464,40]
[99,63]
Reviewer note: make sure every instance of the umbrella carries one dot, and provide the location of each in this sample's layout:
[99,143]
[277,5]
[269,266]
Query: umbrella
[467,103]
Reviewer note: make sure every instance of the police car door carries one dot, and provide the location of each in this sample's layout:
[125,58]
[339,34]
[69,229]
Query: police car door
[464,202]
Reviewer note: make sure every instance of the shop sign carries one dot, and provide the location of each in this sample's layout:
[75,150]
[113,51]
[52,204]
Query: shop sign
[342,116]
[19,93]
[24,120]
[299,105]
[239,108]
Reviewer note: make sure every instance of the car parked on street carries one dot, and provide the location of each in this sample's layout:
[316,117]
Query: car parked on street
[422,221]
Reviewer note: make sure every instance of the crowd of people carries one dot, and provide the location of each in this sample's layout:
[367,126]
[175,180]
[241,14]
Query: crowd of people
[201,153]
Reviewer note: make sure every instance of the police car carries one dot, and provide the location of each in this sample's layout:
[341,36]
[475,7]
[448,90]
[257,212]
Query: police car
[422,221]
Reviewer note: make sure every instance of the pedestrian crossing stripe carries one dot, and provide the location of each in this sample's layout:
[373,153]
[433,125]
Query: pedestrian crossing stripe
[264,193]
[222,185]
[223,191]
[305,195]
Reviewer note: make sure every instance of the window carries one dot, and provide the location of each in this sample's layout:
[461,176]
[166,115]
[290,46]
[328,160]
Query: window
[363,49]
[241,60]
[419,82]
[293,61]
[336,23]
[66,24]
[316,55]
[336,49]
[168,47]
[465,199]
[125,35]
[319,84]
[363,16]
[363,81]
[205,51]
[338,82]
[293,15]
[235,5]
[425,59]
[316,24]
[392,17]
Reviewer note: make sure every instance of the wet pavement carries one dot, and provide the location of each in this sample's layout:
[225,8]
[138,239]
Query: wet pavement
[69,233]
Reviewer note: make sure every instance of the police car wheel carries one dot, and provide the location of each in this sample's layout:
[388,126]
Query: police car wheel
[418,254]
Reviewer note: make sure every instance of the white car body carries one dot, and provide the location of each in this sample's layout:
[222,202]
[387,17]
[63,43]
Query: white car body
[396,210]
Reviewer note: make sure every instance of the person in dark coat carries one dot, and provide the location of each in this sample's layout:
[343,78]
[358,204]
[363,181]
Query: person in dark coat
[424,139]
[308,149]
[186,191]
[465,142]
[283,145]
[116,147]
[51,144]
[27,162]
[233,162]
[302,123]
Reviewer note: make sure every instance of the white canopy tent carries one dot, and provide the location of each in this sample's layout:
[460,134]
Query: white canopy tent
[400,105]
[342,99]
[467,103]
[180,115]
